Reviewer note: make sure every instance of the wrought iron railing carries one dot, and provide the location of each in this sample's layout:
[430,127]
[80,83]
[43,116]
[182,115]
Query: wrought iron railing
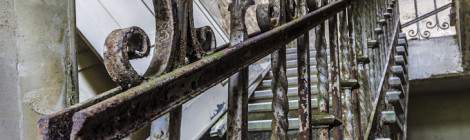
[360,54]
[436,21]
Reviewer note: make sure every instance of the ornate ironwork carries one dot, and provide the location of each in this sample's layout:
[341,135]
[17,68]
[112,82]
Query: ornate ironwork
[136,103]
[434,24]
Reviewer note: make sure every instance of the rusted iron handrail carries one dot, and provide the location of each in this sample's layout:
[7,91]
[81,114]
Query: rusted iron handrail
[125,112]
[373,120]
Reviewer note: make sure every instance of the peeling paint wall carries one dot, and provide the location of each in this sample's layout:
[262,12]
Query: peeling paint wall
[41,57]
[433,57]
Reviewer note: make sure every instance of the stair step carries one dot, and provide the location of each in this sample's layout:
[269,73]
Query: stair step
[319,121]
[395,99]
[390,118]
[395,83]
[294,50]
[268,94]
[267,106]
[263,111]
[293,55]
[292,72]
[293,63]
[291,81]
[399,71]
[401,50]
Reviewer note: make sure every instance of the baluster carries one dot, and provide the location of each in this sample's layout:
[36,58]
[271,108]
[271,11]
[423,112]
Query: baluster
[279,82]
[376,53]
[370,44]
[185,11]
[321,66]
[304,91]
[364,92]
[387,16]
[356,92]
[367,57]
[379,31]
[238,83]
[269,16]
[345,91]
[175,123]
[334,74]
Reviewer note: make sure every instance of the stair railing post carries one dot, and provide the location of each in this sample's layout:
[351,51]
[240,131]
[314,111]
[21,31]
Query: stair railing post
[321,58]
[356,92]
[304,91]
[349,83]
[345,76]
[238,83]
[280,106]
[334,73]
[358,11]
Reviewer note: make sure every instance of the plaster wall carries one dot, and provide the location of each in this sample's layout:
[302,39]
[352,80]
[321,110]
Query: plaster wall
[440,116]
[37,63]
[433,57]
[9,99]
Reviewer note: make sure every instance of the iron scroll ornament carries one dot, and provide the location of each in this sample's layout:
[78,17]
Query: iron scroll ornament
[177,42]
[430,25]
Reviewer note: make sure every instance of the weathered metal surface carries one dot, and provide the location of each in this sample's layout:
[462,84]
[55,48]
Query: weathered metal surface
[322,66]
[202,40]
[303,92]
[345,76]
[280,107]
[168,35]
[359,9]
[59,125]
[175,123]
[304,110]
[334,74]
[309,79]
[269,16]
[356,92]
[383,86]
[122,45]
[155,96]
[318,121]
[237,119]
[434,25]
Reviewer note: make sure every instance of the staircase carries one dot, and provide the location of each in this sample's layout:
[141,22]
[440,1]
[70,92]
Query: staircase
[394,114]
[260,111]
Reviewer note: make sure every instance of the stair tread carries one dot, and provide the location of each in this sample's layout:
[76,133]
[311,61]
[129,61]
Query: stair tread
[291,81]
[266,106]
[294,50]
[293,63]
[390,118]
[292,72]
[267,94]
[317,120]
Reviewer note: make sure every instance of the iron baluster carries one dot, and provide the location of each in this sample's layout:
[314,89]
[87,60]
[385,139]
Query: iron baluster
[304,92]
[280,104]
[237,119]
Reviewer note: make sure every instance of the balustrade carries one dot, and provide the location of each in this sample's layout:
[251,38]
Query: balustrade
[360,57]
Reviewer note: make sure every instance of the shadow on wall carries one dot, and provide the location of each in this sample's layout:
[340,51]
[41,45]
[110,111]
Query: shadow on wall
[439,116]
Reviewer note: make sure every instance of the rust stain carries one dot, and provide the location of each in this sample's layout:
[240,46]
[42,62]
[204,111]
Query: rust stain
[123,45]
